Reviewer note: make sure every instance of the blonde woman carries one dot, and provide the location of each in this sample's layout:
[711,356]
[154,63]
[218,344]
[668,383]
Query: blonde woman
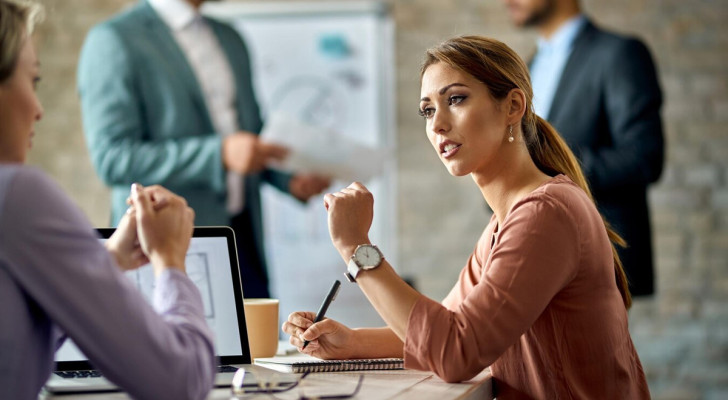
[57,280]
[543,298]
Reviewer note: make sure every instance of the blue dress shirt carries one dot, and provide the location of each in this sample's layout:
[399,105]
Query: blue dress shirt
[549,62]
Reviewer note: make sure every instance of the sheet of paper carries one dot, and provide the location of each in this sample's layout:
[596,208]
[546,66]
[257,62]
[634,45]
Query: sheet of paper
[323,151]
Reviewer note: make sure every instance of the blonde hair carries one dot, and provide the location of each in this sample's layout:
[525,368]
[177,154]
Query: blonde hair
[501,70]
[17,21]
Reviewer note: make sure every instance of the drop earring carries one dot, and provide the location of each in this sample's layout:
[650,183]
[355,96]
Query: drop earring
[510,134]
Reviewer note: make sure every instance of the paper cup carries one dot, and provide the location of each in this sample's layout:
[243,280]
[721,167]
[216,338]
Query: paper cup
[261,318]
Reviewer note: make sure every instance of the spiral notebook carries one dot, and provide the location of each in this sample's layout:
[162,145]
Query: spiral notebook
[304,363]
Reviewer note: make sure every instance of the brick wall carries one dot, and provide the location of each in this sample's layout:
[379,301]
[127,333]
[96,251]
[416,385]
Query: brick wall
[681,333]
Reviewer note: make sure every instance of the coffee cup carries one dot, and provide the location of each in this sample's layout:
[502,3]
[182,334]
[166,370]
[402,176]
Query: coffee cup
[261,318]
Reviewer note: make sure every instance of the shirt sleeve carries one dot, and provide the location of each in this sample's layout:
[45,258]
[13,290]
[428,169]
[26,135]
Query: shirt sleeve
[56,258]
[535,257]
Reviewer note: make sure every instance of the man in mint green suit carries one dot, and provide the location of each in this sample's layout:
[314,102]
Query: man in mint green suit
[147,119]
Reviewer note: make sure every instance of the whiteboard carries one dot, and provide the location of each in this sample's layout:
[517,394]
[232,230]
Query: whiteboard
[329,64]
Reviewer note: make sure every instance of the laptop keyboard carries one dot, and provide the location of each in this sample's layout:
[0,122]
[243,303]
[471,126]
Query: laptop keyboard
[79,374]
[96,374]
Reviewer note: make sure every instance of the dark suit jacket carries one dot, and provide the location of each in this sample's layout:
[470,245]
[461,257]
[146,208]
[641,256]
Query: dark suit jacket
[607,108]
[146,120]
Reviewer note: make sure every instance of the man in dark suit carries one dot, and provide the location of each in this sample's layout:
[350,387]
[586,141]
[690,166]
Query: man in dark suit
[600,91]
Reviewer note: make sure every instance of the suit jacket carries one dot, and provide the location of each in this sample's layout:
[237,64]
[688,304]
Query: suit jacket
[146,120]
[607,108]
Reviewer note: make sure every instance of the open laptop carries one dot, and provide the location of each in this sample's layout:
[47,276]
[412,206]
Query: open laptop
[212,264]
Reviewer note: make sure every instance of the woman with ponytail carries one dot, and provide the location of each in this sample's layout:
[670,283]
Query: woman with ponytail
[543,299]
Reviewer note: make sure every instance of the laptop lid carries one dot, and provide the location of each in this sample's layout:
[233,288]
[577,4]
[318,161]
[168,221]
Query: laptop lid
[212,264]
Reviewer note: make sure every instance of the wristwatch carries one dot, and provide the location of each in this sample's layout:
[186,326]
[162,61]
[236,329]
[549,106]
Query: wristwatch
[365,257]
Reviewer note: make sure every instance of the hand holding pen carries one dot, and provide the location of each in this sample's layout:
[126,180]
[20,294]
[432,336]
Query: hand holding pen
[325,305]
[327,338]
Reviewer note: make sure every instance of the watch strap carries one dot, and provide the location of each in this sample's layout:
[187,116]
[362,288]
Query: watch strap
[352,270]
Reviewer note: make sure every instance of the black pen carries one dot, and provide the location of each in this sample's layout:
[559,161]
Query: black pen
[325,305]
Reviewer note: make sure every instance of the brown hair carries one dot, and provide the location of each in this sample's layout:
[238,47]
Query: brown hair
[501,70]
[17,20]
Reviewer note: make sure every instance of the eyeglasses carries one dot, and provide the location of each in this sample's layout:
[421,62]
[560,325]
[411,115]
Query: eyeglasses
[270,387]
[266,386]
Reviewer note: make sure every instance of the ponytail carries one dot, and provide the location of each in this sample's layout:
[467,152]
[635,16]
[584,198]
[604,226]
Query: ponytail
[552,156]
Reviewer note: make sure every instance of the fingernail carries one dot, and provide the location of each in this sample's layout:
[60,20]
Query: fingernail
[134,189]
[129,210]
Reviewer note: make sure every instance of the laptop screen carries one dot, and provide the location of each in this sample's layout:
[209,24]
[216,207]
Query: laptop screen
[212,264]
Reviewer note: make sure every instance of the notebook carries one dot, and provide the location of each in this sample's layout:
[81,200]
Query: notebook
[212,264]
[306,363]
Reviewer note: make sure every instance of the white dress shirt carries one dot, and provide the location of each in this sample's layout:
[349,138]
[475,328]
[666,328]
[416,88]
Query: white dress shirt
[214,75]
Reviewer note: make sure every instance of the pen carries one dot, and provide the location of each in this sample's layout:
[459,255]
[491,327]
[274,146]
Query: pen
[325,305]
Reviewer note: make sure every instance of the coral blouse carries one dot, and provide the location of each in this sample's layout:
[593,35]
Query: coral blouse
[538,303]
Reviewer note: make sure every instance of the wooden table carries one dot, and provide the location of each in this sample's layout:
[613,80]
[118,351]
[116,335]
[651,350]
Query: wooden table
[395,385]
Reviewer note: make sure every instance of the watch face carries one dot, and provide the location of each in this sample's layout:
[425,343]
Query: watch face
[368,256]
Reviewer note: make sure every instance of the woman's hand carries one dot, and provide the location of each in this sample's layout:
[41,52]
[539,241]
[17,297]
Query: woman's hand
[164,231]
[327,339]
[350,214]
[124,243]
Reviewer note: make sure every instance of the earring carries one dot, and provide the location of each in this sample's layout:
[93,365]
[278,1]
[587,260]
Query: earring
[510,134]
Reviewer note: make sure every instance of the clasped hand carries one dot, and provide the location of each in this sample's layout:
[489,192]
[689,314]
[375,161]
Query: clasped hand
[157,228]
